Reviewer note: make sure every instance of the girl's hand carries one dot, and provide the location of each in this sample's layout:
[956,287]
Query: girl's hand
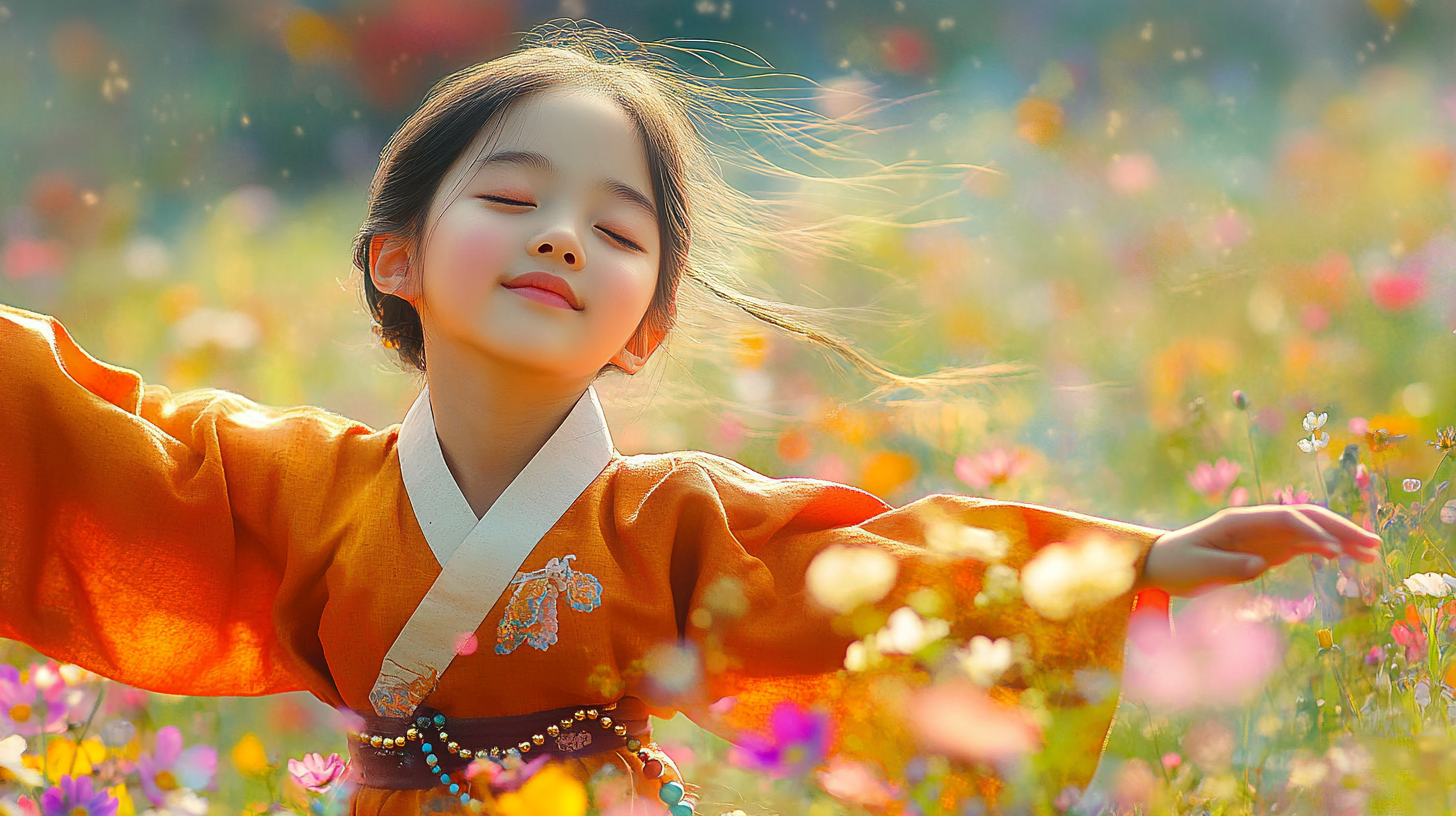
[1239,543]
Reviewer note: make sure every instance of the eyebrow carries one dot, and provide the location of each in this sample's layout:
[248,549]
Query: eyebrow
[538,161]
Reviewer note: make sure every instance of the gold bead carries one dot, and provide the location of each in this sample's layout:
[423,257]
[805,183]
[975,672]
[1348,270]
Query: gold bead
[444,737]
[525,747]
[606,722]
[633,744]
[495,752]
[568,722]
[592,712]
[376,741]
[363,737]
[620,730]
[580,715]
[466,753]
[538,739]
[453,747]
[552,730]
[413,733]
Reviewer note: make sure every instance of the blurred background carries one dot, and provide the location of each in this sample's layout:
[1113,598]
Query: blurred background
[1189,198]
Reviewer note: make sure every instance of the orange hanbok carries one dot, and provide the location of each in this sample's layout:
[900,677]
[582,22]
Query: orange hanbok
[198,543]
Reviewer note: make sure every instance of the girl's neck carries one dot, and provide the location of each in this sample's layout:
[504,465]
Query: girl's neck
[492,418]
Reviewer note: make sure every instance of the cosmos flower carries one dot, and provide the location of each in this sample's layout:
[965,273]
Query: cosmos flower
[798,739]
[991,468]
[1064,578]
[984,660]
[855,783]
[842,578]
[23,703]
[11,750]
[77,797]
[167,767]
[962,721]
[1212,481]
[316,773]
[1445,440]
[1430,584]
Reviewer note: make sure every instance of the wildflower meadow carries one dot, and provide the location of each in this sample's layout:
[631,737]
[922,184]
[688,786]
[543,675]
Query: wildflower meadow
[1213,243]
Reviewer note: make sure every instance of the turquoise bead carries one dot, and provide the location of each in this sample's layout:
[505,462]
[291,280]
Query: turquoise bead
[427,747]
[670,793]
[464,798]
[439,719]
[680,809]
[454,788]
[432,759]
[444,779]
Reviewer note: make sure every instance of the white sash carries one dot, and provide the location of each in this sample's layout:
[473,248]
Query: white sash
[479,556]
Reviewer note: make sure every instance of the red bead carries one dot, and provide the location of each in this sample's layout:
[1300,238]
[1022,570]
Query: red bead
[652,768]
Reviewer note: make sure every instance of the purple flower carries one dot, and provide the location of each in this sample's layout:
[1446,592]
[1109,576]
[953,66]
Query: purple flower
[77,797]
[799,741]
[316,773]
[169,768]
[23,703]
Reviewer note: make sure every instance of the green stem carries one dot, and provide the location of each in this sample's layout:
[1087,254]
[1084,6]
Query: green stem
[1158,749]
[1253,459]
[1320,474]
[76,757]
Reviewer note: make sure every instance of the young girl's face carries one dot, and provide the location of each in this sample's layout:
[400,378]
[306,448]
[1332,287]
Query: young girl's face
[542,252]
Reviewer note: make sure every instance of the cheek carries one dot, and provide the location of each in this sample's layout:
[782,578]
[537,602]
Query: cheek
[466,261]
[622,298]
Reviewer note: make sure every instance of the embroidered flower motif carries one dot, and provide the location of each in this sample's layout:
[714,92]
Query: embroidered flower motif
[531,614]
[403,694]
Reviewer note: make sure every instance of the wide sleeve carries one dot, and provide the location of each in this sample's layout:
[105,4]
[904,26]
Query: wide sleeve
[744,542]
[144,534]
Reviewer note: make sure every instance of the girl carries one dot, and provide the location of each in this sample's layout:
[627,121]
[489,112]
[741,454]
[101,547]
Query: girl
[491,579]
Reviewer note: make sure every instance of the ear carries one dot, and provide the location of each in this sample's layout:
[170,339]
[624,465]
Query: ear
[389,268]
[644,342]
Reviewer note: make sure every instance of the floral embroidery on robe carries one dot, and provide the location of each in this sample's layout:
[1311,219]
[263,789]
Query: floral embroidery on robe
[531,614]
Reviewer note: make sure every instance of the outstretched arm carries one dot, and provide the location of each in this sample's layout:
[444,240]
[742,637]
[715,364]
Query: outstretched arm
[1239,544]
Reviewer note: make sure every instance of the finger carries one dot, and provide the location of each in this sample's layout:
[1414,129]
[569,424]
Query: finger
[1355,541]
[1291,533]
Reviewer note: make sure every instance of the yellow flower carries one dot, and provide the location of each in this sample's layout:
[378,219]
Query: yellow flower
[1326,639]
[249,757]
[551,792]
[124,804]
[62,758]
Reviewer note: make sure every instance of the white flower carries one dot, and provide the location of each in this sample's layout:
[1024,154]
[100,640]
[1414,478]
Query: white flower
[999,585]
[907,633]
[181,802]
[1431,584]
[1064,578]
[963,541]
[10,750]
[1313,423]
[1411,485]
[842,578]
[985,660]
[1314,442]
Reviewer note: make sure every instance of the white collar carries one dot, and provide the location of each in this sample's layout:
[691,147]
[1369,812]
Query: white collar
[582,440]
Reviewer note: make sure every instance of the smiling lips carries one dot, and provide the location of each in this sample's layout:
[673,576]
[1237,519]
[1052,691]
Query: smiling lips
[546,288]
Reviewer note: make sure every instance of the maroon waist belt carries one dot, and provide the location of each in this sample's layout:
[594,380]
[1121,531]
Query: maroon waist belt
[398,753]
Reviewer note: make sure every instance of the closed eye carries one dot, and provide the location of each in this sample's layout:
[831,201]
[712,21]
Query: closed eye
[507,201]
[626,242]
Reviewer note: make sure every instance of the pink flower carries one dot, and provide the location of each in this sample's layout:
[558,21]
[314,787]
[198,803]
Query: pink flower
[1172,760]
[1212,481]
[1291,611]
[23,703]
[1287,495]
[798,741]
[168,767]
[991,468]
[1374,656]
[316,773]
[855,783]
[1412,638]
[1362,477]
[1398,291]
[962,721]
[1238,497]
[1219,656]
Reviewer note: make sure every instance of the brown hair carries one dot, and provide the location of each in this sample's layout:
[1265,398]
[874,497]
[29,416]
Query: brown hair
[708,227]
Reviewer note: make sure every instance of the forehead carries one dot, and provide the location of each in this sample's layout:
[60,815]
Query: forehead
[584,135]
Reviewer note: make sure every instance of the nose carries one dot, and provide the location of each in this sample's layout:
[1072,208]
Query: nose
[561,245]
